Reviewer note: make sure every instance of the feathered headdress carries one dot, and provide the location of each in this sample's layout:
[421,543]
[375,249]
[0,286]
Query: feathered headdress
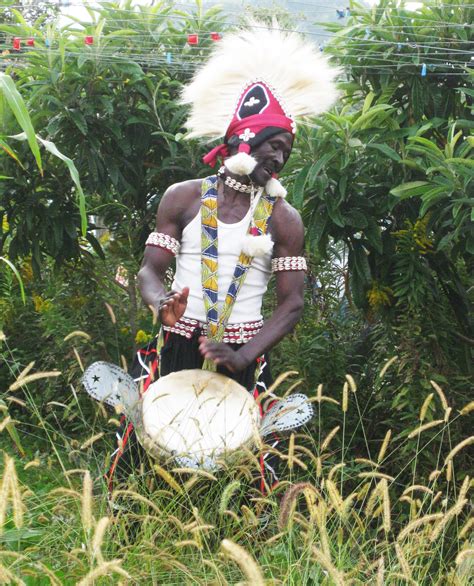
[257,82]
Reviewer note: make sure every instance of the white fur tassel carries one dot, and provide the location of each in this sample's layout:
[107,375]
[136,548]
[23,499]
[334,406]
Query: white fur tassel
[274,188]
[257,245]
[240,164]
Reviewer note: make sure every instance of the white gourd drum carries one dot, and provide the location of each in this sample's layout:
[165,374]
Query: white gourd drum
[197,415]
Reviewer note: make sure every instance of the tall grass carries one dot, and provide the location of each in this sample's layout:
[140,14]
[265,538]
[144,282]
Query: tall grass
[338,516]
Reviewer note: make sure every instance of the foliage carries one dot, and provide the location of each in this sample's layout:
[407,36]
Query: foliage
[112,106]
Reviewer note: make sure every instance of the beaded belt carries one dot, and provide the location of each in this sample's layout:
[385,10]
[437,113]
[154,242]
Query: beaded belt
[234,333]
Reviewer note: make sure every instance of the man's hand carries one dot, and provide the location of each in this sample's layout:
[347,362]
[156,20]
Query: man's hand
[173,306]
[222,354]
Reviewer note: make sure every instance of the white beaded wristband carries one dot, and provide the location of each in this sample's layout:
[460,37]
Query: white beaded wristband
[289,263]
[163,241]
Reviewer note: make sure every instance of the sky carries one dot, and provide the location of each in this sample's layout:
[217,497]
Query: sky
[76,7]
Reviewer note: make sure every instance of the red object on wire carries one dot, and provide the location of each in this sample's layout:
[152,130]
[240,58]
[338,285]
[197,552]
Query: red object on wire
[30,42]
[89,40]
[193,39]
[216,36]
[16,43]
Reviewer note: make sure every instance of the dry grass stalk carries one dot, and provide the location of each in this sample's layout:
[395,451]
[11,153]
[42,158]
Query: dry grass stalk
[77,334]
[345,397]
[33,464]
[10,490]
[111,313]
[387,523]
[329,438]
[199,472]
[291,451]
[418,523]
[351,381]
[25,371]
[275,538]
[467,442]
[319,393]
[168,478]
[419,487]
[447,518]
[449,471]
[463,555]
[403,563]
[337,576]
[335,497]
[424,407]
[91,440]
[53,579]
[105,569]
[434,475]
[78,358]
[447,414]
[376,475]
[384,446]
[7,577]
[467,408]
[86,510]
[366,461]
[288,502]
[441,394]
[387,365]
[424,427]
[468,526]
[373,499]
[334,469]
[227,494]
[380,580]
[282,377]
[32,377]
[98,538]
[244,560]
[17,401]
[464,488]
[7,420]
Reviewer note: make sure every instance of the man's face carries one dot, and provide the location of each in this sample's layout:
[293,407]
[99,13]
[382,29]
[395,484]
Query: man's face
[271,157]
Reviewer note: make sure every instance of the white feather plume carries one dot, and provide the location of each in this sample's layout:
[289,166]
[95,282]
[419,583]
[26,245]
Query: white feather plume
[240,164]
[274,188]
[257,245]
[296,71]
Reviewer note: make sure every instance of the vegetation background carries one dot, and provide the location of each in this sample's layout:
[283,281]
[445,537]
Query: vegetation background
[376,488]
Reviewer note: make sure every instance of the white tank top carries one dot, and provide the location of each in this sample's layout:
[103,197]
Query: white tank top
[188,271]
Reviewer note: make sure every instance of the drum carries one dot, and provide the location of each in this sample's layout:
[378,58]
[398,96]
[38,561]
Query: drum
[197,417]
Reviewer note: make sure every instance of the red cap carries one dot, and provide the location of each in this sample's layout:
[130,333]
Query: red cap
[193,39]
[30,42]
[215,36]
[16,43]
[89,40]
[257,109]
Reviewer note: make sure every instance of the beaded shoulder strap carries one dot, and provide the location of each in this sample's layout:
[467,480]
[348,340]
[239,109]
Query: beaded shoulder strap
[216,323]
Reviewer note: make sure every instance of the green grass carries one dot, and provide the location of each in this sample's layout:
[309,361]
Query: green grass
[336,517]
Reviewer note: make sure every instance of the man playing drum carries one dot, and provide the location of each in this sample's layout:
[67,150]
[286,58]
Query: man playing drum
[230,231]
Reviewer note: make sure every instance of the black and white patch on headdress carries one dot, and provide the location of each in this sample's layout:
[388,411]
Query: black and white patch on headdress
[254,101]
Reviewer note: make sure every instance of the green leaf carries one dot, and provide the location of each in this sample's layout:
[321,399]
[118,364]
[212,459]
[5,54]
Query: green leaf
[17,275]
[386,150]
[299,185]
[406,190]
[18,107]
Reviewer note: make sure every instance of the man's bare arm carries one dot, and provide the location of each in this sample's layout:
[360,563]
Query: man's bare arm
[156,261]
[288,234]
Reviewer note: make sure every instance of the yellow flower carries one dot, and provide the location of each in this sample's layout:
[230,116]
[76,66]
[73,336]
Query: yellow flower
[379,296]
[142,337]
[41,305]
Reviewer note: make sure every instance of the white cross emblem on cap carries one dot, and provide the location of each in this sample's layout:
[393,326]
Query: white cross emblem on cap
[251,102]
[247,135]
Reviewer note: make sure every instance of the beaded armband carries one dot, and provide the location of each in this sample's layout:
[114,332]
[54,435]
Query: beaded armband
[289,263]
[163,241]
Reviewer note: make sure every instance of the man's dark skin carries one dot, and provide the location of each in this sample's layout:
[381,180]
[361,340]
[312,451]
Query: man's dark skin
[180,204]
